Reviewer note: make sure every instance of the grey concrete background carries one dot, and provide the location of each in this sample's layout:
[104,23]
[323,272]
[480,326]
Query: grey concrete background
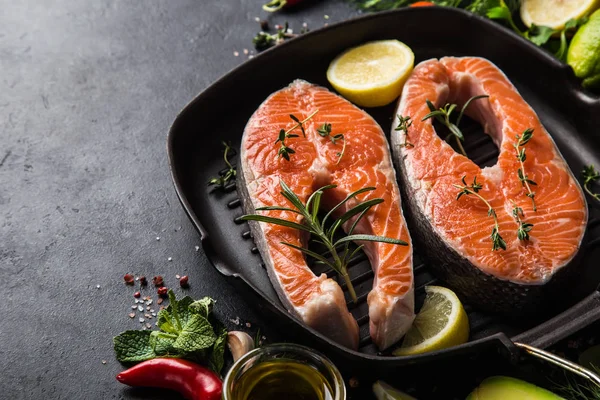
[88,90]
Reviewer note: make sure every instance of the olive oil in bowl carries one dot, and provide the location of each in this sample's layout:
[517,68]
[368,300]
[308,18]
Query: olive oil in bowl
[282,379]
[283,371]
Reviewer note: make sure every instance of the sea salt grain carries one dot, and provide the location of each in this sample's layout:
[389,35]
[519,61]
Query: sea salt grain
[170,259]
[140,308]
[131,315]
[141,320]
[197,248]
[235,53]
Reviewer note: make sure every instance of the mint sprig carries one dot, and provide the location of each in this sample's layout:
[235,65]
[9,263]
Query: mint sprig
[186,330]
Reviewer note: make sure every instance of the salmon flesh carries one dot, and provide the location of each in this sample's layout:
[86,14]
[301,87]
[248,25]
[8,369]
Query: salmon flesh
[456,234]
[318,300]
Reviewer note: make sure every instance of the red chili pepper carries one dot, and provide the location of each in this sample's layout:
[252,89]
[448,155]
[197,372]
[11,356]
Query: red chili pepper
[192,381]
[422,4]
[276,5]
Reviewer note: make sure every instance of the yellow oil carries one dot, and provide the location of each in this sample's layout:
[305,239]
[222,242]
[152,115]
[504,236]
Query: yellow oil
[282,379]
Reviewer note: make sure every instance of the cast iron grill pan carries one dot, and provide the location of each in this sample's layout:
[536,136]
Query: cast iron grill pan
[221,112]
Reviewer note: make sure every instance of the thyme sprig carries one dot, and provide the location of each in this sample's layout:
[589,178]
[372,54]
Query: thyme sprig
[524,227]
[403,124]
[284,149]
[442,115]
[325,131]
[522,140]
[474,188]
[222,180]
[590,175]
[324,232]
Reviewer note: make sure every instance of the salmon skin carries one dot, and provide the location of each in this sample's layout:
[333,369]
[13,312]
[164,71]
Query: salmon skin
[366,162]
[457,233]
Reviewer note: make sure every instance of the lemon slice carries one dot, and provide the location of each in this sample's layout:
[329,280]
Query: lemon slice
[383,391]
[555,13]
[373,74]
[441,323]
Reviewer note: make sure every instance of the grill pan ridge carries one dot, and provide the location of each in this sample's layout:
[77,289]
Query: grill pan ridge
[195,155]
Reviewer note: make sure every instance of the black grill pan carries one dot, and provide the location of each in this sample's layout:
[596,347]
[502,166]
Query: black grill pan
[571,115]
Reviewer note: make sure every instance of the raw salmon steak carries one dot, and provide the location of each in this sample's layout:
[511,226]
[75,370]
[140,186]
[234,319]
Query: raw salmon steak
[457,232]
[366,162]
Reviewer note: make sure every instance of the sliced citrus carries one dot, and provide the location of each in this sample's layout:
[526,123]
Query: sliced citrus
[372,74]
[383,391]
[441,323]
[555,13]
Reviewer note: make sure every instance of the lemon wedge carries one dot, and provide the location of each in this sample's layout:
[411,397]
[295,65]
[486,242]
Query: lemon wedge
[383,391]
[373,74]
[555,13]
[441,323]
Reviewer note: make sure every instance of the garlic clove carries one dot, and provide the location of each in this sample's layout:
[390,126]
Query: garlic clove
[239,343]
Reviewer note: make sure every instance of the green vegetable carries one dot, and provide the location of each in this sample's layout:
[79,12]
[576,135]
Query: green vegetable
[584,52]
[504,388]
[185,331]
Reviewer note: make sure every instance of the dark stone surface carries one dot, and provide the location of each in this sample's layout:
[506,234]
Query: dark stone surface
[88,91]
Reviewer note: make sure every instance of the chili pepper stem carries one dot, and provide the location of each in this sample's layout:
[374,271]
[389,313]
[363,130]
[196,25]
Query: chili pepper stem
[274,5]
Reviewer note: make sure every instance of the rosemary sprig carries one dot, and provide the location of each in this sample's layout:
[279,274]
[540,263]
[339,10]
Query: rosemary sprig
[442,115]
[403,124]
[222,180]
[524,227]
[285,150]
[497,240]
[590,175]
[522,140]
[325,131]
[324,233]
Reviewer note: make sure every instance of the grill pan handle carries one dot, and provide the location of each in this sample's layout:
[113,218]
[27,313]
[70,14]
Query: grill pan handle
[582,314]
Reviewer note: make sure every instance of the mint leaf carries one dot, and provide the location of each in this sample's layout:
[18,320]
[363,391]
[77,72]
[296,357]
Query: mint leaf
[183,308]
[162,344]
[216,356]
[133,346]
[197,335]
[165,322]
[203,306]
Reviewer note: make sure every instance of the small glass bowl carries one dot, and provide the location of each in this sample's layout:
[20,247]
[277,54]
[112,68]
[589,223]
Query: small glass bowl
[285,351]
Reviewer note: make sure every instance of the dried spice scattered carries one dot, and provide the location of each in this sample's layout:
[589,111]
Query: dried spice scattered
[137,295]
[184,282]
[162,291]
[158,281]
[143,281]
[128,278]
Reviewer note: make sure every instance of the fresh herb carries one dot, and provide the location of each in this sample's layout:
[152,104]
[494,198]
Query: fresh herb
[403,124]
[574,390]
[474,188]
[442,115]
[284,150]
[561,53]
[324,233]
[503,10]
[522,140]
[186,330]
[524,227]
[264,40]
[222,180]
[381,5]
[325,131]
[590,175]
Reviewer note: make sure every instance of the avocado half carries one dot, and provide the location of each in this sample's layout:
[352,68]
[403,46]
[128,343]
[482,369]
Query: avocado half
[504,388]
